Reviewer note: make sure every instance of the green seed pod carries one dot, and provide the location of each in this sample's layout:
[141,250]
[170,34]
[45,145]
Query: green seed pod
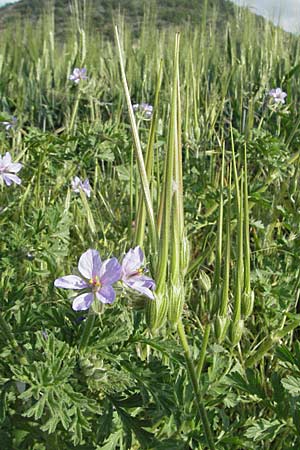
[221,324]
[215,301]
[176,301]
[204,281]
[156,310]
[247,303]
[236,329]
[185,254]
[203,309]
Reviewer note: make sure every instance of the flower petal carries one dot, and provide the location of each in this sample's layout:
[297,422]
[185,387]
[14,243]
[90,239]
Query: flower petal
[83,301]
[89,264]
[9,178]
[143,287]
[75,183]
[86,187]
[14,167]
[110,271]
[106,294]
[133,260]
[7,159]
[70,282]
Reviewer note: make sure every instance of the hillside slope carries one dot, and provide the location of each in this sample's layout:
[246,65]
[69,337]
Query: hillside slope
[169,12]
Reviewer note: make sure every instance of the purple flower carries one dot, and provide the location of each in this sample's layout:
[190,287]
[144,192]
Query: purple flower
[278,95]
[12,123]
[95,280]
[77,184]
[78,74]
[8,169]
[144,110]
[132,274]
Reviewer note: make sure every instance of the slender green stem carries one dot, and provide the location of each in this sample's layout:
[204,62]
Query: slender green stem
[88,326]
[203,350]
[193,376]
[74,112]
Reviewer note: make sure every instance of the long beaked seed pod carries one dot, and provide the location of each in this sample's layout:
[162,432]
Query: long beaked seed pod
[156,311]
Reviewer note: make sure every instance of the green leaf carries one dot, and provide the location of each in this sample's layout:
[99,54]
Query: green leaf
[264,430]
[292,385]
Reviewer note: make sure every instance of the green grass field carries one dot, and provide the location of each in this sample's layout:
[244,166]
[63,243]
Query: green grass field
[205,183]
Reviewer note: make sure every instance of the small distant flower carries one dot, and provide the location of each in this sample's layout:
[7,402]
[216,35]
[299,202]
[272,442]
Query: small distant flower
[45,334]
[78,75]
[77,184]
[278,95]
[132,273]
[95,280]
[144,110]
[8,169]
[21,386]
[12,123]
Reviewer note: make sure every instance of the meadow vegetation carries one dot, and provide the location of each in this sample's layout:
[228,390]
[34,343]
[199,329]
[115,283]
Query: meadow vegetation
[205,182]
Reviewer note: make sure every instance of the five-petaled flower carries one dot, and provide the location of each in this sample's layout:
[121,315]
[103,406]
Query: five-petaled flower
[77,184]
[95,280]
[132,273]
[278,95]
[78,75]
[8,170]
[144,110]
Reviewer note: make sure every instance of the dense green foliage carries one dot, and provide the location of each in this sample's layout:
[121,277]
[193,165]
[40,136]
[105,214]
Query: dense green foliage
[128,388]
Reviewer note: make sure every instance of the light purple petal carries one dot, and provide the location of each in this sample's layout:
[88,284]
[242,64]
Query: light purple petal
[132,261]
[9,178]
[106,294]
[110,271]
[15,167]
[140,286]
[147,281]
[86,187]
[83,301]
[76,181]
[89,264]
[70,282]
[76,72]
[6,179]
[7,159]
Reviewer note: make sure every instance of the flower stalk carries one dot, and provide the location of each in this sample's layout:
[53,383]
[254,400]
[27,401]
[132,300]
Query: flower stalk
[194,380]
[88,327]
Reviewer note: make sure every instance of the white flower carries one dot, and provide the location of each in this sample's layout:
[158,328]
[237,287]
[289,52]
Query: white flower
[8,170]
[77,184]
[278,95]
[78,75]
[144,110]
